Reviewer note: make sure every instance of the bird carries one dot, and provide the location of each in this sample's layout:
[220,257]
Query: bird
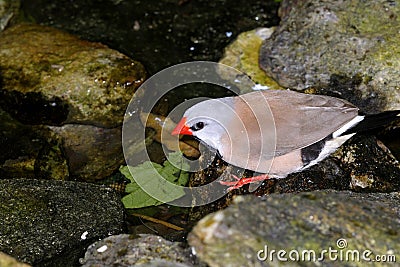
[275,132]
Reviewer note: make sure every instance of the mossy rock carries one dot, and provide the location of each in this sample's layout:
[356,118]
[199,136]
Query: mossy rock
[318,41]
[63,101]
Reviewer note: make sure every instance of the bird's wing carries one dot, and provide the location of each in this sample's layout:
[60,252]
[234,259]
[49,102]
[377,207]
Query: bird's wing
[303,119]
[272,124]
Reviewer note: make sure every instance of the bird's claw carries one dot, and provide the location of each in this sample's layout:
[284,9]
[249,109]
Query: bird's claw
[243,181]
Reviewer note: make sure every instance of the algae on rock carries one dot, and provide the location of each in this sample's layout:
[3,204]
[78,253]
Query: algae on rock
[318,40]
[70,95]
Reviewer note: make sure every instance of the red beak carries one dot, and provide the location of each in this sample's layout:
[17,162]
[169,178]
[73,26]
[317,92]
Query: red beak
[182,128]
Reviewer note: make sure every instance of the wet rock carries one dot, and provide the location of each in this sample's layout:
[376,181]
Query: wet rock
[246,232]
[146,250]
[9,11]
[92,152]
[319,41]
[66,98]
[162,33]
[30,151]
[7,261]
[71,151]
[51,77]
[370,165]
[50,223]
[243,53]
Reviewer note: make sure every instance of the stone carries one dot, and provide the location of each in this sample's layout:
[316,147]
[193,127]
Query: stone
[243,53]
[321,43]
[159,34]
[92,152]
[30,151]
[50,223]
[145,250]
[71,95]
[9,12]
[370,165]
[246,232]
[51,77]
[7,261]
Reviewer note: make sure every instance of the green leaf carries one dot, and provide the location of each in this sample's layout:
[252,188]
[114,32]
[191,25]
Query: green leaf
[148,174]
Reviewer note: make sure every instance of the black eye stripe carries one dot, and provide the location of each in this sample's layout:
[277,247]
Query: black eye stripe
[197,126]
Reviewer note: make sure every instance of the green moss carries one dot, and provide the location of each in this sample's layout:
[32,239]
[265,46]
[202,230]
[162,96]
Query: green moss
[93,68]
[243,55]
[95,82]
[23,205]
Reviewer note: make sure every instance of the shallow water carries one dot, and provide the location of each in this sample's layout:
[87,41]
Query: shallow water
[157,33]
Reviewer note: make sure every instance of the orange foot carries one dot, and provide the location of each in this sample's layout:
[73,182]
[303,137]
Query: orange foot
[243,181]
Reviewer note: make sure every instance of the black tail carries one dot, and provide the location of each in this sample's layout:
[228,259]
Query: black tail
[375,121]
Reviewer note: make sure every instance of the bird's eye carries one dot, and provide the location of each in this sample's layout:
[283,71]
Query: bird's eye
[198,126]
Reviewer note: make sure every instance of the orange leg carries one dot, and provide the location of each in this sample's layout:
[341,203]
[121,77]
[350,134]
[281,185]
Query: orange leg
[243,181]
